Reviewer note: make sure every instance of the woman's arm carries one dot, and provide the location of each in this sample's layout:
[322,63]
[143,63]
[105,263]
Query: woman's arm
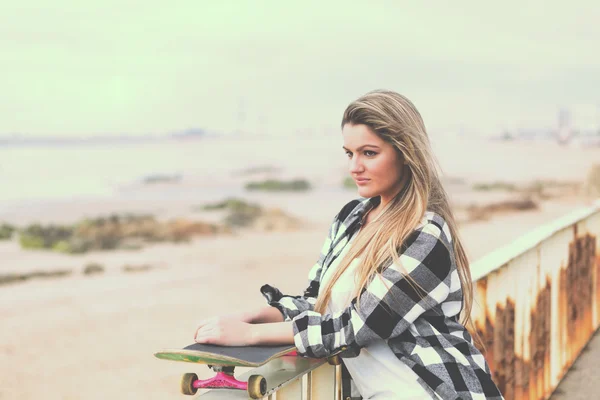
[281,307]
[292,306]
[390,303]
[273,334]
[263,315]
[388,306]
[232,332]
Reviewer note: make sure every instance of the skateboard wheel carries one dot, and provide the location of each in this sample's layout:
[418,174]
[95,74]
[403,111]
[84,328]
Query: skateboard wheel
[257,386]
[335,360]
[187,384]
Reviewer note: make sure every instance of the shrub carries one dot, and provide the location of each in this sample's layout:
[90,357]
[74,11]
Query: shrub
[137,268]
[31,242]
[241,218]
[38,237]
[6,231]
[349,183]
[12,277]
[231,203]
[93,268]
[504,186]
[111,232]
[241,213]
[161,179]
[62,246]
[50,274]
[262,169]
[484,212]
[273,185]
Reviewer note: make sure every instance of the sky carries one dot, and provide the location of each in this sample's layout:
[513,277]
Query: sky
[288,67]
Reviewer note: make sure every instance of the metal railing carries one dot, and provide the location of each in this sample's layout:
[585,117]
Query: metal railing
[537,304]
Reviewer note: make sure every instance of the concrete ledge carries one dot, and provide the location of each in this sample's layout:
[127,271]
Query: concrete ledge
[503,255]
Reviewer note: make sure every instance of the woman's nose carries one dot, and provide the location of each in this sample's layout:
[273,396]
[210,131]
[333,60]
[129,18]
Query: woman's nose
[356,165]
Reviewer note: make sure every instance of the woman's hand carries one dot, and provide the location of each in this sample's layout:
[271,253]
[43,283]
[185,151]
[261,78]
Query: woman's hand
[225,331]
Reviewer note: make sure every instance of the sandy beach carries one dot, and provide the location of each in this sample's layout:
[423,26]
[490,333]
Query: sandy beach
[93,336]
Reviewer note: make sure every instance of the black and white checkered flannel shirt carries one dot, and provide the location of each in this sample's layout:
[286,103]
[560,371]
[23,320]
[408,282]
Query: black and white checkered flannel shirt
[420,326]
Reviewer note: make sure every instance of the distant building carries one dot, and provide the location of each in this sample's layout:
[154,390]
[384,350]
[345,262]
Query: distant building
[565,131]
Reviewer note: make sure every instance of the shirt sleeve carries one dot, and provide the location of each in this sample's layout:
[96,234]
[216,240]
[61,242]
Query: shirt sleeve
[292,306]
[388,305]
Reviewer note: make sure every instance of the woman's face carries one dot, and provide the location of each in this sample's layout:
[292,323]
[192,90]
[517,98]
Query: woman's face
[374,164]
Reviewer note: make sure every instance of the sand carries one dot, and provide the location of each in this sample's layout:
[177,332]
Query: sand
[93,337]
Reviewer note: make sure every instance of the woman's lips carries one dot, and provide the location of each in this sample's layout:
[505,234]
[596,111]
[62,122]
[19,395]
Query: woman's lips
[362,181]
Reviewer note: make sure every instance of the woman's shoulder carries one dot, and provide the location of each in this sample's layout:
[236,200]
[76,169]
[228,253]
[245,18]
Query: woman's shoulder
[350,208]
[435,225]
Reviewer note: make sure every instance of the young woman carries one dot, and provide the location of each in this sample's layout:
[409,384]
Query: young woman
[392,279]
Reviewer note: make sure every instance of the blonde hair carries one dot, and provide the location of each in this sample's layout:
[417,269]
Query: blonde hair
[395,119]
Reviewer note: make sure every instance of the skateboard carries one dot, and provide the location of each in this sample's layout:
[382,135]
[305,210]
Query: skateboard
[223,360]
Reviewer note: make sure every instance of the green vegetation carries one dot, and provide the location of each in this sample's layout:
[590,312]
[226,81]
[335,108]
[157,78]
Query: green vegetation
[6,231]
[230,204]
[273,185]
[484,212]
[261,169]
[550,188]
[242,217]
[502,186]
[93,269]
[137,268]
[37,236]
[126,231]
[543,189]
[349,183]
[13,277]
[161,179]
[240,212]
[90,269]
[453,180]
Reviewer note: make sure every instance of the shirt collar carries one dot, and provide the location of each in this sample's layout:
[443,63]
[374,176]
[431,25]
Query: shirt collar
[366,205]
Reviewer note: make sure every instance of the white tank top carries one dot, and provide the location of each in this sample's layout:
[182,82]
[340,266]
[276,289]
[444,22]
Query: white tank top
[377,372]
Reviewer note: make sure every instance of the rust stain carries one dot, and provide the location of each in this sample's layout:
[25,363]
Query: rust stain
[504,347]
[597,285]
[539,345]
[578,289]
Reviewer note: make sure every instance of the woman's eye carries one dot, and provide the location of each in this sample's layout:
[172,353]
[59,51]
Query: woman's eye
[349,154]
[370,153]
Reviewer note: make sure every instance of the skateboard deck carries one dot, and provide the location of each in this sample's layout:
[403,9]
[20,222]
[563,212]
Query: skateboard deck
[225,356]
[223,360]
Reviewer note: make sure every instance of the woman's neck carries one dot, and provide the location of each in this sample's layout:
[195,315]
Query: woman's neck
[371,215]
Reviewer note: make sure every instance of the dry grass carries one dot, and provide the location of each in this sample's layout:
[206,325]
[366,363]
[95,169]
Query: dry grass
[485,212]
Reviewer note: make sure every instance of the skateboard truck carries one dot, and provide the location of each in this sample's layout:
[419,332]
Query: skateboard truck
[223,360]
[224,379]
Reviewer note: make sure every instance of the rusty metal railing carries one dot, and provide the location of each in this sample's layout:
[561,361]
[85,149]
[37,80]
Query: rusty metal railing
[537,305]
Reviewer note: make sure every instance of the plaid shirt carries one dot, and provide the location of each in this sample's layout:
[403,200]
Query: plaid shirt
[420,325]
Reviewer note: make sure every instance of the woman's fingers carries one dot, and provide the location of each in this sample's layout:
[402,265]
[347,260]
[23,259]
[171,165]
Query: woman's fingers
[206,336]
[205,323]
[209,330]
[226,333]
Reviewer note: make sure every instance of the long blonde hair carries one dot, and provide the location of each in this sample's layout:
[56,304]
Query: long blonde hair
[395,119]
